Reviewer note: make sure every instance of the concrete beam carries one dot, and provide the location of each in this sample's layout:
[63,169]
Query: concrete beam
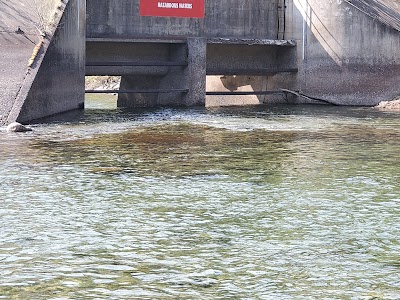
[250,42]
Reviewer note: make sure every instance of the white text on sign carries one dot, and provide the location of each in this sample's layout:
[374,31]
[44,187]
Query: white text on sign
[175,5]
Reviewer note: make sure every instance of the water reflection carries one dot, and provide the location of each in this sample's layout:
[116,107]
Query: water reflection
[275,203]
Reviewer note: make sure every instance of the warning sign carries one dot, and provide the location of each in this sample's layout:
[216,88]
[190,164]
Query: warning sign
[175,8]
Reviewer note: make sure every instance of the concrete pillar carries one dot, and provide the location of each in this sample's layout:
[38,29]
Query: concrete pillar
[175,78]
[190,77]
[195,73]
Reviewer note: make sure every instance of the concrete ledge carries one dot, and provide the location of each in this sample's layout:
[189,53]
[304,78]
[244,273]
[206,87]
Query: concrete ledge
[249,71]
[148,91]
[138,64]
[126,70]
[167,40]
[131,67]
[249,42]
[243,93]
[179,40]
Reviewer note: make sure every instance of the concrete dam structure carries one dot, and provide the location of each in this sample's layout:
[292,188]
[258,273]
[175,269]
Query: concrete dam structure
[42,58]
[194,52]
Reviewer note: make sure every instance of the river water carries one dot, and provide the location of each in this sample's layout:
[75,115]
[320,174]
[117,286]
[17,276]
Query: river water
[286,202]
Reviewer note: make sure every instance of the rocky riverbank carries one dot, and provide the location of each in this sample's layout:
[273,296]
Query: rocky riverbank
[102,82]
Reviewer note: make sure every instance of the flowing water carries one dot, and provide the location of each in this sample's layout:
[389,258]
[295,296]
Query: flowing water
[287,202]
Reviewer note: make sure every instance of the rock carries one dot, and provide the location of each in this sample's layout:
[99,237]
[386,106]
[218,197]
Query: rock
[394,104]
[17,127]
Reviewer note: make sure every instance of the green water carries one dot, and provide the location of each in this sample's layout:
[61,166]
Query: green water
[287,202]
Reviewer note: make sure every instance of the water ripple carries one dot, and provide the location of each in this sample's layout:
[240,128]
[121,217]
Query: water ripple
[202,204]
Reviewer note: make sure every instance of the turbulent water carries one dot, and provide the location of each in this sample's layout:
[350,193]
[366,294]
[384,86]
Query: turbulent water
[287,202]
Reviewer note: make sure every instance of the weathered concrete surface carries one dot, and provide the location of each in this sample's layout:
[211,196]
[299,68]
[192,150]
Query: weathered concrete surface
[15,49]
[248,66]
[192,76]
[223,18]
[195,74]
[237,59]
[187,72]
[249,27]
[127,58]
[55,81]
[387,12]
[344,55]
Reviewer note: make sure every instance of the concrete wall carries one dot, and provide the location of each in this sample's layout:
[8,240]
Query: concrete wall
[344,55]
[59,83]
[115,53]
[54,83]
[148,65]
[181,84]
[119,20]
[15,49]
[249,68]
[223,18]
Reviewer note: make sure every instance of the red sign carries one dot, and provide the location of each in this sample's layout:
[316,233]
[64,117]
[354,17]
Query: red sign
[172,8]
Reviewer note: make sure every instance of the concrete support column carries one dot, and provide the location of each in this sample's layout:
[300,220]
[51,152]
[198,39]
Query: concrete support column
[190,76]
[195,73]
[175,78]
